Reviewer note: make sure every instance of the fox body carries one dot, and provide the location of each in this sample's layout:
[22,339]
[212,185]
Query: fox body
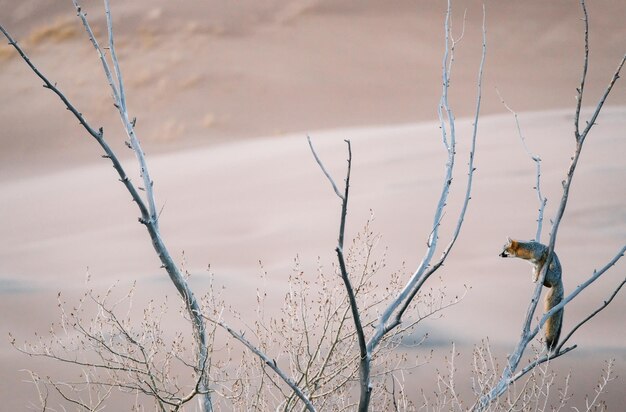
[537,254]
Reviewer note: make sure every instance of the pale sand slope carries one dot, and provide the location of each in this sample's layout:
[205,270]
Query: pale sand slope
[266,199]
[205,72]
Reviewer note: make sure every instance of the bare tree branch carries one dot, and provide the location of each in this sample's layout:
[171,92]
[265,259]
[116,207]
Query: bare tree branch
[152,221]
[558,350]
[148,213]
[580,137]
[576,292]
[424,271]
[592,121]
[119,99]
[581,89]
[116,66]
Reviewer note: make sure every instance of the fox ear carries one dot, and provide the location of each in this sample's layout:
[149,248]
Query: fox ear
[509,240]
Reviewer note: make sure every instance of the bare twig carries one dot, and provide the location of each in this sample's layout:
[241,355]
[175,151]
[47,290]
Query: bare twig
[607,377]
[581,89]
[535,158]
[268,361]
[321,165]
[592,120]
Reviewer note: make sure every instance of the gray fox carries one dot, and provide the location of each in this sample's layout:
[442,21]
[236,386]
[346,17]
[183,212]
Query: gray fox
[536,254]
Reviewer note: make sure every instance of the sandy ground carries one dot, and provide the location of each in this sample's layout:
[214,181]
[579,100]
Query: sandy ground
[224,97]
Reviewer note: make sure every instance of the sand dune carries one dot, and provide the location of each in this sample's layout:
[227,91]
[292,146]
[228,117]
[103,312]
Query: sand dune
[225,95]
[208,73]
[266,199]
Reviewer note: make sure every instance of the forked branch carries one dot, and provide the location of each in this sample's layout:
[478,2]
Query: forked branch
[119,100]
[393,313]
[365,355]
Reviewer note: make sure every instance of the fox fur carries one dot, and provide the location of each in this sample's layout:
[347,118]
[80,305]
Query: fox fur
[536,254]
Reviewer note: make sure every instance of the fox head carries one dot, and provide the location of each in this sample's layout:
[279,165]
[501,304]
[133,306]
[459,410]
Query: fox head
[510,248]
